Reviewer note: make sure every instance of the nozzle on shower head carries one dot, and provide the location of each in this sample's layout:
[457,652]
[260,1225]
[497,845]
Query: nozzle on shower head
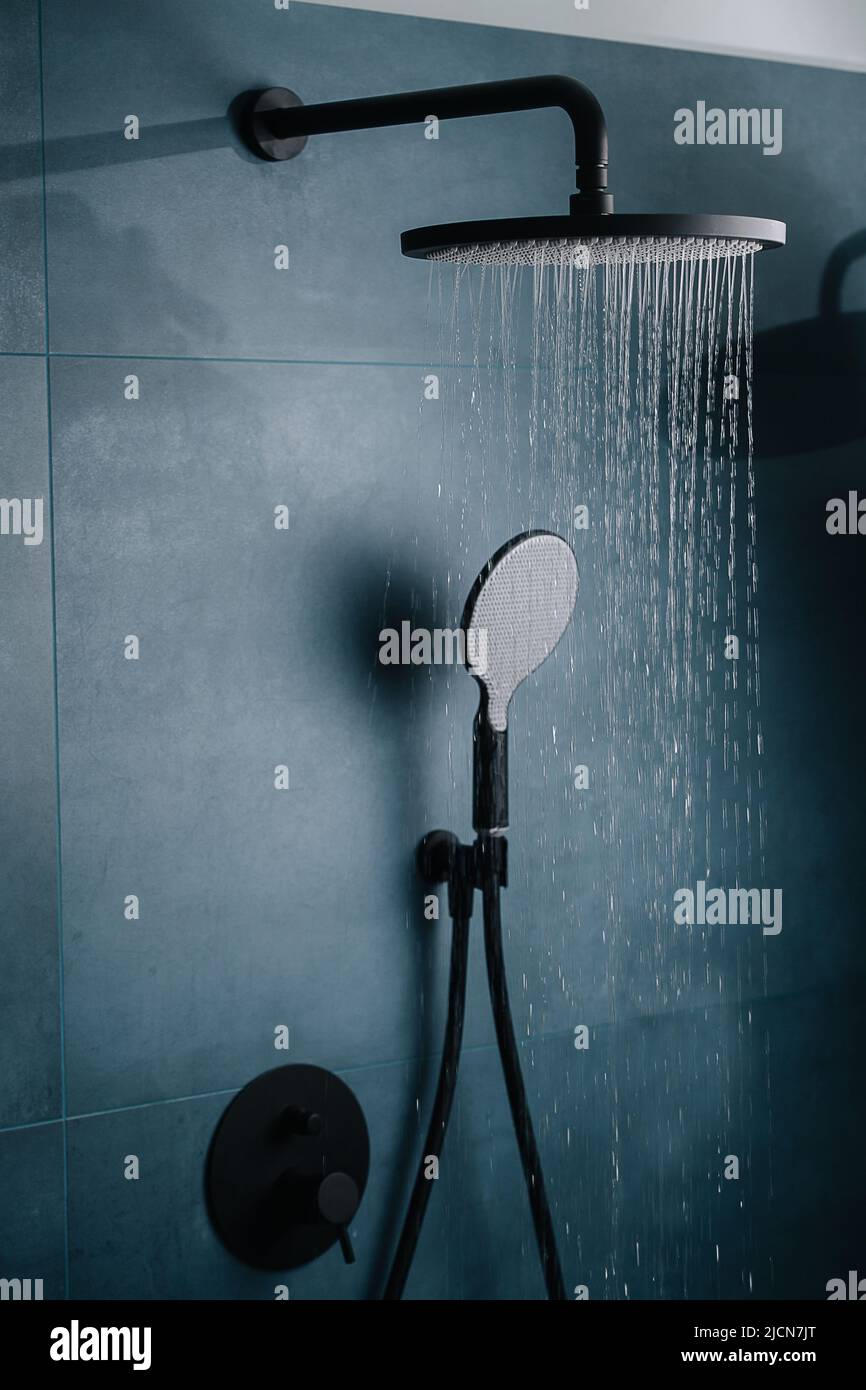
[518,608]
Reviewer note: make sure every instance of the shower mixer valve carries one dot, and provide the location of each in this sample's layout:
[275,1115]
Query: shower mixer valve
[287,1168]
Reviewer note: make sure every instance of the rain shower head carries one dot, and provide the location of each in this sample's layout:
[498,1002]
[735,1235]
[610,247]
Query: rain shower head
[517,610]
[590,239]
[277,125]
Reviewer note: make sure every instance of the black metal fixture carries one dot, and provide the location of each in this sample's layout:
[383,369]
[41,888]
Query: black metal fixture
[520,604]
[276,125]
[287,1168]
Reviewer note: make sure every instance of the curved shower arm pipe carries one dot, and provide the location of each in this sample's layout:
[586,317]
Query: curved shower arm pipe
[282,120]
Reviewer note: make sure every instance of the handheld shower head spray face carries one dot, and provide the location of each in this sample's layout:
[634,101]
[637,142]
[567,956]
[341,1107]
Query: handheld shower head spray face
[519,607]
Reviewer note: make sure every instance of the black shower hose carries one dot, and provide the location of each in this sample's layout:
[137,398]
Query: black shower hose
[521,1118]
[402,1261]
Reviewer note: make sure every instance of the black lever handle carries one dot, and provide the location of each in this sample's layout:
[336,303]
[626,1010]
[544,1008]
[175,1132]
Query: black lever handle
[337,1199]
[307,1201]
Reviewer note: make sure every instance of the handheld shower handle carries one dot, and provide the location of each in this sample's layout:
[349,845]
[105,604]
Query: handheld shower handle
[489,774]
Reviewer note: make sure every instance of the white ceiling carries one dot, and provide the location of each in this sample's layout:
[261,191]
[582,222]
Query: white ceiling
[821,33]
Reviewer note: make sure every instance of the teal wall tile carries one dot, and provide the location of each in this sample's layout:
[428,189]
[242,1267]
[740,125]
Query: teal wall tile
[32,1210]
[30,1082]
[22,255]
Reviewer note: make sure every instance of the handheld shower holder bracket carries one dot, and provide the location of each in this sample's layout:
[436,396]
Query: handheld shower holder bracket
[443,859]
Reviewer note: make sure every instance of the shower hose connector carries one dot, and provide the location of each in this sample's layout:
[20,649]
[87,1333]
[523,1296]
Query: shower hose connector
[443,859]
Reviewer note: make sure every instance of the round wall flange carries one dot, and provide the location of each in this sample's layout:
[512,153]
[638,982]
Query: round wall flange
[259,131]
[437,856]
[287,1168]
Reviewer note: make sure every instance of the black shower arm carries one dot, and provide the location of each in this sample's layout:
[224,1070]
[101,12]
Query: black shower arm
[476,99]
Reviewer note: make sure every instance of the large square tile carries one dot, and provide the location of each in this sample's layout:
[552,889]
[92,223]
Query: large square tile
[32,1211]
[169,241]
[258,648]
[22,258]
[29,994]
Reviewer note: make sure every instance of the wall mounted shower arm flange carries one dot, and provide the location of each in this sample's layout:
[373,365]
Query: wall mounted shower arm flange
[259,110]
[277,123]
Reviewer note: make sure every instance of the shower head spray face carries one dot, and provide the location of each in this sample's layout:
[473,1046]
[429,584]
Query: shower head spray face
[585,240]
[519,607]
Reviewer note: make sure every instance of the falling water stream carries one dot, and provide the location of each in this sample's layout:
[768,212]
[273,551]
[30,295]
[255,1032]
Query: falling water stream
[608,397]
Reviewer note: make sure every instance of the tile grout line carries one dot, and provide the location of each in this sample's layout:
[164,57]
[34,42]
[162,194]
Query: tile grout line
[381,1064]
[275,361]
[417,1058]
[288,361]
[56,702]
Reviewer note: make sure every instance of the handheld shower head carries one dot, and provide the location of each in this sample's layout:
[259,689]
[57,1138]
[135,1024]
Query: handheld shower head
[516,612]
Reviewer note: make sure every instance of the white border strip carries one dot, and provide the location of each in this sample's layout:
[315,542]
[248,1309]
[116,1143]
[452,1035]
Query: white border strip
[818,33]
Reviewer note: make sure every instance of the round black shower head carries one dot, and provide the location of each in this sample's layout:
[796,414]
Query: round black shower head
[587,239]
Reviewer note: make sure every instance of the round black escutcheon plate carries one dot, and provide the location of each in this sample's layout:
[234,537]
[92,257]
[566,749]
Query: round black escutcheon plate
[286,1160]
[259,134]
